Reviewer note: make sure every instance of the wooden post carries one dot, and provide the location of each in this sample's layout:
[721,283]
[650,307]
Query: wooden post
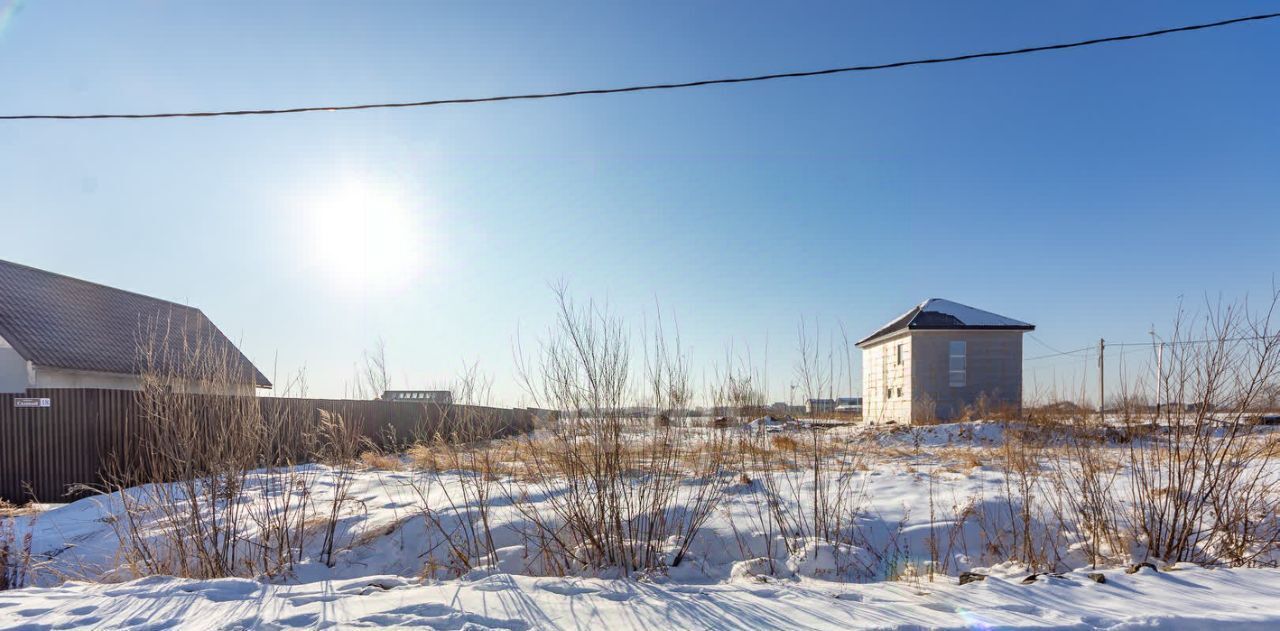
[1102,381]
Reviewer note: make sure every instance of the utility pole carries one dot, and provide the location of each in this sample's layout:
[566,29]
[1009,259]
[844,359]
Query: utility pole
[1102,381]
[1159,369]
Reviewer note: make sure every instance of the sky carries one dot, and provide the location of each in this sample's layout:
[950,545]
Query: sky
[1085,191]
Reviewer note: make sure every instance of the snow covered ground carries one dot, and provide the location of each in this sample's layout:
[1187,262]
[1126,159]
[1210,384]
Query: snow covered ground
[1190,598]
[929,501]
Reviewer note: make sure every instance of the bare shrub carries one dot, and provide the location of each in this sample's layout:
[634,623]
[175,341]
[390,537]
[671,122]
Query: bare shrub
[1028,541]
[1085,498]
[814,488]
[458,470]
[634,496]
[1197,489]
[807,484]
[208,486]
[926,410]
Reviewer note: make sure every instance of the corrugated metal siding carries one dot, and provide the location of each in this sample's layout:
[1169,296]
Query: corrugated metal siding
[46,452]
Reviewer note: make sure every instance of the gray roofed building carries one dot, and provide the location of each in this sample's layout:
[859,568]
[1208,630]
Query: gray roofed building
[63,332]
[940,359]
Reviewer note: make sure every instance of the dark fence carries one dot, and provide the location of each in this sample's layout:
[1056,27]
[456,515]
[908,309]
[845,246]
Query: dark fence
[45,452]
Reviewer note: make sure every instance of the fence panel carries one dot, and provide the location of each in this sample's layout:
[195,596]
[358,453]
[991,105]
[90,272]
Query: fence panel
[46,453]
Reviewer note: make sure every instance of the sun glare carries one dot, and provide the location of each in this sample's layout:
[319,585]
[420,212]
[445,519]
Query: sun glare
[367,237]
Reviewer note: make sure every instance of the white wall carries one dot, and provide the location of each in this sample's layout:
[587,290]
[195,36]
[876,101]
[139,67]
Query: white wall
[13,369]
[886,383]
[46,377]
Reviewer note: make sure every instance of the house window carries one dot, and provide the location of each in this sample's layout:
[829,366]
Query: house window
[957,372]
[899,393]
[899,351]
[888,393]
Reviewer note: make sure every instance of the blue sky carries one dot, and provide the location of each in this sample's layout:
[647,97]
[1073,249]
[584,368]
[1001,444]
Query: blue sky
[1083,191]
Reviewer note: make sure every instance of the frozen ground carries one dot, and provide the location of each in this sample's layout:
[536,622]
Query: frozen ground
[380,576]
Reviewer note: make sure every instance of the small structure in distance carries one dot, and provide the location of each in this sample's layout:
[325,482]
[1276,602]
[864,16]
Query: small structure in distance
[438,397]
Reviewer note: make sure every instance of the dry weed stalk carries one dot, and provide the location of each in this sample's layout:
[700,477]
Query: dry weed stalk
[15,554]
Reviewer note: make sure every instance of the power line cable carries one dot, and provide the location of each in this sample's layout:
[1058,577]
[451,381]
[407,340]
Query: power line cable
[1044,344]
[1146,346]
[1246,338]
[1086,350]
[654,86]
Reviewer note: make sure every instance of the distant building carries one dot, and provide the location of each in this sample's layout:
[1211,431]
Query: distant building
[438,397]
[545,416]
[849,404]
[62,332]
[940,358]
[813,406]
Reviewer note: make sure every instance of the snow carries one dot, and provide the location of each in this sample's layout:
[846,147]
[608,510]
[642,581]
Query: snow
[968,433]
[1190,597]
[968,315]
[735,575]
[769,424]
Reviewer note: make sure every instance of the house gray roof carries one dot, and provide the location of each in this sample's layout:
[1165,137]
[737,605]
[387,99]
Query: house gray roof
[63,322]
[940,314]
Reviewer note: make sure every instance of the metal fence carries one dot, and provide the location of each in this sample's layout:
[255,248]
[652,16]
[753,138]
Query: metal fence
[52,441]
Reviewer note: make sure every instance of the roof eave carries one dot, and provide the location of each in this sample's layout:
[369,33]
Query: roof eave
[977,327]
[875,339]
[881,337]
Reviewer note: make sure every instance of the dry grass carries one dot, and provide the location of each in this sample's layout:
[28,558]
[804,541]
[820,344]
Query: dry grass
[15,555]
[374,459]
[785,443]
[961,459]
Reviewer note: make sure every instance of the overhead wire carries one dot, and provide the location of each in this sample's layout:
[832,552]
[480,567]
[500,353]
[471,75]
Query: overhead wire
[652,86]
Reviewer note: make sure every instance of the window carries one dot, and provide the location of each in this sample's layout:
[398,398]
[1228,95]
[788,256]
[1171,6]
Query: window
[956,365]
[899,393]
[888,393]
[899,350]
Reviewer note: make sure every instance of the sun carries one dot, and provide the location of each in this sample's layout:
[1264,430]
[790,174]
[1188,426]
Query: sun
[366,236]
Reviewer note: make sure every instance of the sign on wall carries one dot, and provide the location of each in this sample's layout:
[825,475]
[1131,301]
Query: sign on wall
[31,402]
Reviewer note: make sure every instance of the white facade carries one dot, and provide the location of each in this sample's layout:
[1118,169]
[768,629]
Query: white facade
[18,374]
[13,369]
[886,380]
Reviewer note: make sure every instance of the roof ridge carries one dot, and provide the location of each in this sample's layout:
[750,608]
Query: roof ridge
[96,284]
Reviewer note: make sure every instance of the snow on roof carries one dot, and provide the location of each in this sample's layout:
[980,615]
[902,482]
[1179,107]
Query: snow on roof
[939,313]
[968,315]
